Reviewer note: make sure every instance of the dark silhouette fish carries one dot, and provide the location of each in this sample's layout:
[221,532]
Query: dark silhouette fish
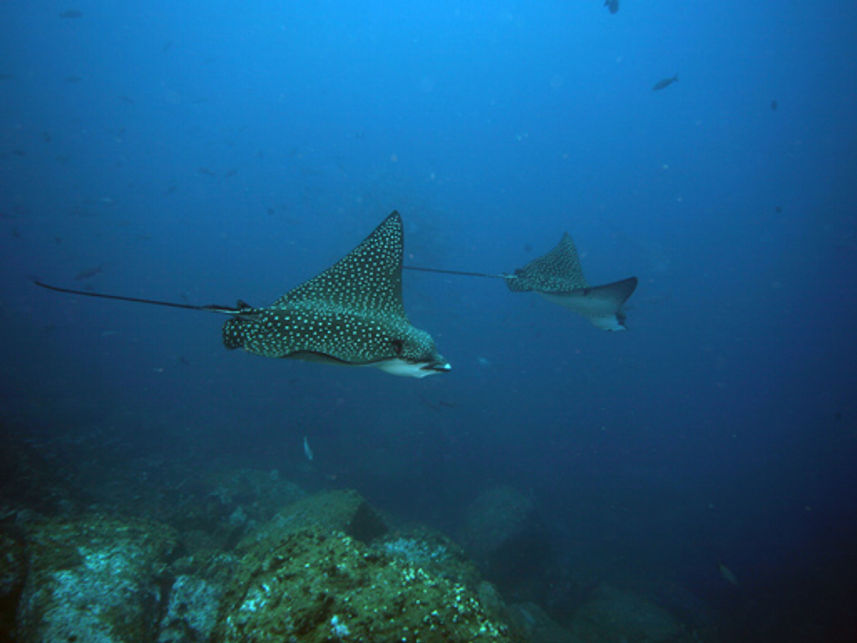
[612,5]
[664,83]
[351,314]
[72,13]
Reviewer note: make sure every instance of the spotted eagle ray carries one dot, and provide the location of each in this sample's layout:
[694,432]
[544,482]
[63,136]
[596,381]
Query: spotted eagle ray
[350,314]
[558,277]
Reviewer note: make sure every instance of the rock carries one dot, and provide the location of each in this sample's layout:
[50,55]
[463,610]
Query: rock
[13,569]
[496,517]
[430,550]
[615,615]
[217,510]
[532,623]
[341,510]
[503,535]
[94,578]
[316,584]
[191,610]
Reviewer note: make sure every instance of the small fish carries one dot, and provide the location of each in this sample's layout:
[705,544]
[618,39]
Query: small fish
[206,171]
[727,574]
[72,13]
[664,83]
[774,105]
[612,5]
[307,449]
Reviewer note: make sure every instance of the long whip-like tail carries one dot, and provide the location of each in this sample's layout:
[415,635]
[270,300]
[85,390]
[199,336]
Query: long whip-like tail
[464,273]
[212,308]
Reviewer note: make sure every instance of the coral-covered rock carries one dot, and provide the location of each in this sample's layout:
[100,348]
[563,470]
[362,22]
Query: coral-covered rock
[94,578]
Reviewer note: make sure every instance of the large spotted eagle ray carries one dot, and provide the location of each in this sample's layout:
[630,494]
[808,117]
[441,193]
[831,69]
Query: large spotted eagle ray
[350,314]
[558,277]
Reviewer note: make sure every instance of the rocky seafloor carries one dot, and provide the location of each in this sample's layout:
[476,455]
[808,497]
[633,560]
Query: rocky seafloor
[98,546]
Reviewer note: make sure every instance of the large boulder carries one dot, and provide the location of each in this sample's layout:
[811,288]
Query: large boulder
[314,584]
[612,614]
[497,516]
[94,578]
[504,536]
[532,623]
[340,510]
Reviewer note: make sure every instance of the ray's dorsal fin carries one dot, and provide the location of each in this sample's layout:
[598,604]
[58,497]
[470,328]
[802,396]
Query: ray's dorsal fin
[367,278]
[558,271]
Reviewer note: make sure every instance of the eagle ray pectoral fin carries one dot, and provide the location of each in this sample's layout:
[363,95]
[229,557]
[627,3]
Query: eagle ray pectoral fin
[601,305]
[234,333]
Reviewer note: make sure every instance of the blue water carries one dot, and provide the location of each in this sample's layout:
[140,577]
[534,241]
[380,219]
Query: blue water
[205,152]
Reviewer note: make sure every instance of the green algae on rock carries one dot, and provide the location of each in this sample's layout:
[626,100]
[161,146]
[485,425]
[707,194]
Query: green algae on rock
[312,584]
[437,554]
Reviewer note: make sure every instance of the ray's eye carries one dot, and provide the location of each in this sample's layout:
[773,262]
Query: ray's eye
[398,346]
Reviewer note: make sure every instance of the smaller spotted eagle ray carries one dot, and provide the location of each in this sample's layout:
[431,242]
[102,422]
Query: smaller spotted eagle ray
[558,277]
[350,314]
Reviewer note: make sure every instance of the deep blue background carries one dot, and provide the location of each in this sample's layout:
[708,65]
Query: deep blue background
[233,149]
